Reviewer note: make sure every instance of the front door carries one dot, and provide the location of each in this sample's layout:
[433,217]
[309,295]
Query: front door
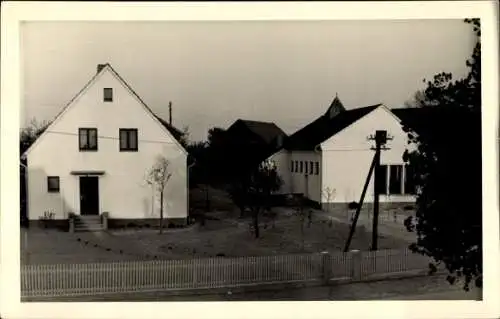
[89,195]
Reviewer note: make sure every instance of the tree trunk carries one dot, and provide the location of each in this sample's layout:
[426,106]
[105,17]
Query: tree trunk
[161,212]
[207,200]
[256,223]
[302,231]
[242,211]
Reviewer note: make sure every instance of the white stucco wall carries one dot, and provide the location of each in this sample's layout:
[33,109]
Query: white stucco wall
[295,182]
[123,191]
[347,157]
[306,183]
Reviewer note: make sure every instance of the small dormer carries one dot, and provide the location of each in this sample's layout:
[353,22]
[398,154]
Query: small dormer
[335,108]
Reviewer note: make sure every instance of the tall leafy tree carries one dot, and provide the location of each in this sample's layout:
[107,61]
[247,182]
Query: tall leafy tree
[255,189]
[447,172]
[30,133]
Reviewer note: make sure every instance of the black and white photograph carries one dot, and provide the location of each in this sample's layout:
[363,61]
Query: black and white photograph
[251,160]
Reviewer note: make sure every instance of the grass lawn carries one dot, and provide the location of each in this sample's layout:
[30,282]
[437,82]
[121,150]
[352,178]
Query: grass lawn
[216,237]
[223,234]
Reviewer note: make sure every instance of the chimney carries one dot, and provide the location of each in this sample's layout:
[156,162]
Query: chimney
[100,67]
[170,112]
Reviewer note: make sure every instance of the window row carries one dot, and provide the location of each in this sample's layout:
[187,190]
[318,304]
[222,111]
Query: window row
[396,180]
[88,139]
[306,167]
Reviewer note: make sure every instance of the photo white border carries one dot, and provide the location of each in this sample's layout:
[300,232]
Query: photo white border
[13,13]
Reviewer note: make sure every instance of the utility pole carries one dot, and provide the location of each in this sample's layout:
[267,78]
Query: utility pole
[380,142]
[360,205]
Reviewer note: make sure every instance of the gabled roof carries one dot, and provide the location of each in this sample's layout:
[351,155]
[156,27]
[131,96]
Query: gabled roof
[176,133]
[324,127]
[268,132]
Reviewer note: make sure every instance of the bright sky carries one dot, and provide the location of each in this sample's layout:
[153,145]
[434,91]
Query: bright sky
[217,72]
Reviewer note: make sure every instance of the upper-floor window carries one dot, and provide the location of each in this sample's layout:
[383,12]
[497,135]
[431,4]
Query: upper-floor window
[291,166]
[301,166]
[87,139]
[128,139]
[316,168]
[311,168]
[108,94]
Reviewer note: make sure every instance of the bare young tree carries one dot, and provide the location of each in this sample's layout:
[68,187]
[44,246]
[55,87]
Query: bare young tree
[158,177]
[328,194]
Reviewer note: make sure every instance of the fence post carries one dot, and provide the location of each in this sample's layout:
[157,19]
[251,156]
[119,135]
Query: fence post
[326,270]
[356,264]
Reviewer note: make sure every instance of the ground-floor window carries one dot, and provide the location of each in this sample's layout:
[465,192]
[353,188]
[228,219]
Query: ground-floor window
[395,180]
[306,167]
[53,184]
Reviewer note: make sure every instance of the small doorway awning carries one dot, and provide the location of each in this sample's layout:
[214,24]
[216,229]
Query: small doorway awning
[87,173]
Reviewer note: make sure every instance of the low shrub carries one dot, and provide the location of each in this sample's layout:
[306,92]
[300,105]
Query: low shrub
[353,205]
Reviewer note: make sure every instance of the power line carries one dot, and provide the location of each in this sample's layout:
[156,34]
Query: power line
[348,150]
[110,137]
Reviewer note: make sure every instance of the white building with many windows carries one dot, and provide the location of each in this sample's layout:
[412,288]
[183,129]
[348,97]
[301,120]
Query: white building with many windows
[328,160]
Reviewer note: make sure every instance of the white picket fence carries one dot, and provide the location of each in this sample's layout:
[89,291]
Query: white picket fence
[164,275]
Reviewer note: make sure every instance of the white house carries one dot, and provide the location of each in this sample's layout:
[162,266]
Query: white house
[328,160]
[95,155]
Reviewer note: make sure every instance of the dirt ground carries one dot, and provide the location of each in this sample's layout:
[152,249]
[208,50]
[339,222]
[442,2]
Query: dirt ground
[223,234]
[217,237]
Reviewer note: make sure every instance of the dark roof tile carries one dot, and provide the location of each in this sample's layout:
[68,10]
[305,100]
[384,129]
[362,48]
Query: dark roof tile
[439,121]
[268,132]
[309,137]
[176,133]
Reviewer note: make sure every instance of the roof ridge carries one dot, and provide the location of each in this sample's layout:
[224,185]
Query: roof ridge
[256,121]
[92,79]
[325,127]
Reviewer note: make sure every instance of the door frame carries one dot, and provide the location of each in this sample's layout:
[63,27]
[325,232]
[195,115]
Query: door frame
[97,190]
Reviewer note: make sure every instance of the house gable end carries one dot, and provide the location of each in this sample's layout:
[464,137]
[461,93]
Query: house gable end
[356,135]
[74,101]
[60,115]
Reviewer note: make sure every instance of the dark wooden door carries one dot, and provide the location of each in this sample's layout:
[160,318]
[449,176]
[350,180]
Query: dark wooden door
[89,195]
